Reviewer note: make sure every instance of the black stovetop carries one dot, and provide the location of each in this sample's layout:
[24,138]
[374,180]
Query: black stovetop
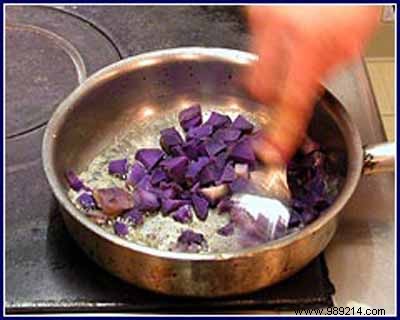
[49,51]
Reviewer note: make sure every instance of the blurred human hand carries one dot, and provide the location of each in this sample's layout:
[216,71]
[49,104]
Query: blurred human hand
[298,46]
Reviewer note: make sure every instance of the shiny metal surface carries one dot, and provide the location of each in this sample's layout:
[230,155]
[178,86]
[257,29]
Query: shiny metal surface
[112,100]
[362,251]
[379,158]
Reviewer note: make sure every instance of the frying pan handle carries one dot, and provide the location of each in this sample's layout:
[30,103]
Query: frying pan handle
[379,158]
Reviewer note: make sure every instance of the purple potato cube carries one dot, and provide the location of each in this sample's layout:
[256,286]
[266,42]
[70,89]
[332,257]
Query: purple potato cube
[169,205]
[243,152]
[169,193]
[135,217]
[209,175]
[146,200]
[120,228]
[190,117]
[136,174]
[176,168]
[225,205]
[227,229]
[195,168]
[220,160]
[87,201]
[118,167]
[200,206]
[149,157]
[239,185]
[189,237]
[177,151]
[191,149]
[73,180]
[157,176]
[227,135]
[213,147]
[183,214]
[228,175]
[242,124]
[200,132]
[145,183]
[192,123]
[170,137]
[113,201]
[217,120]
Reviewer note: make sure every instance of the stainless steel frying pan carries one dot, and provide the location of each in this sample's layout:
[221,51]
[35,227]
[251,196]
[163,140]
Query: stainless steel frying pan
[152,88]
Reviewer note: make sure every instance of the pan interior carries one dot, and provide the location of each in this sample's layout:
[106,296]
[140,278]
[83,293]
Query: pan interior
[159,231]
[115,118]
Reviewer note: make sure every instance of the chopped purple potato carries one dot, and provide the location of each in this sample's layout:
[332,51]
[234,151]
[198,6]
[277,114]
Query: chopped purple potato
[118,168]
[228,175]
[136,174]
[73,181]
[200,206]
[190,113]
[200,132]
[201,150]
[221,160]
[135,217]
[177,151]
[146,200]
[251,231]
[227,135]
[209,175]
[195,168]
[113,201]
[176,168]
[204,171]
[239,185]
[190,241]
[195,188]
[242,152]
[192,123]
[191,149]
[171,185]
[149,157]
[170,138]
[186,195]
[190,117]
[225,206]
[87,201]
[169,205]
[242,124]
[314,181]
[157,176]
[226,230]
[120,229]
[217,120]
[213,147]
[145,183]
[169,193]
[183,214]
